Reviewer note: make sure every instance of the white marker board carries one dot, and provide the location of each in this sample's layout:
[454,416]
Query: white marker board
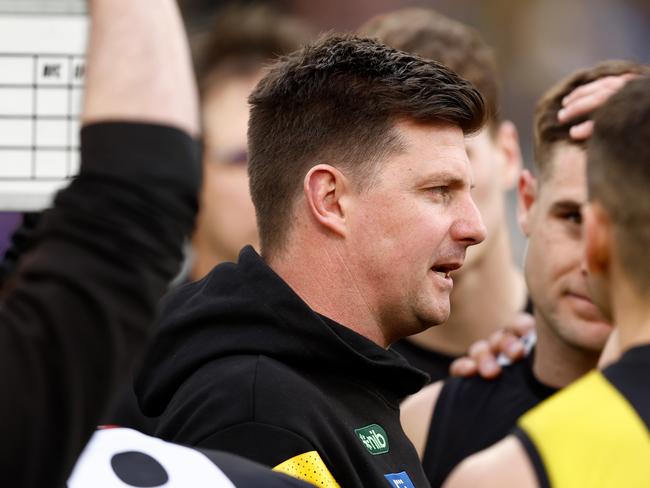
[41,85]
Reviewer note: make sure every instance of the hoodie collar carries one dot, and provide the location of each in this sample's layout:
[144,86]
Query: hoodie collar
[389,370]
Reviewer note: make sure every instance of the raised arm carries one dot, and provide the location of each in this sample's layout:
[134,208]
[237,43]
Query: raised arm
[138,65]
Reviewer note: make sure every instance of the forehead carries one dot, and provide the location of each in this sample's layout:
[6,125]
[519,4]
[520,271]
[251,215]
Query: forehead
[428,149]
[566,178]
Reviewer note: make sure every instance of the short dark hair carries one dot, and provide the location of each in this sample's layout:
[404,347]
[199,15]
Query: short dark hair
[243,39]
[618,170]
[430,34]
[337,100]
[548,131]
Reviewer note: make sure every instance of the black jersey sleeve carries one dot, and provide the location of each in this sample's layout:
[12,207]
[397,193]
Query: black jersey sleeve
[534,456]
[629,376]
[82,299]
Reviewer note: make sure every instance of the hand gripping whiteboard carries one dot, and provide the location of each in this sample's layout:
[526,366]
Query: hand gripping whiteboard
[41,85]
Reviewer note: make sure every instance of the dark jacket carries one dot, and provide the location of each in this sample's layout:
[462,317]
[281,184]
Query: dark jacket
[242,364]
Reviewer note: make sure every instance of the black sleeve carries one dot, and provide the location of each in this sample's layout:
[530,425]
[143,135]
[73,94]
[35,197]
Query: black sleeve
[266,444]
[84,296]
[535,458]
[247,474]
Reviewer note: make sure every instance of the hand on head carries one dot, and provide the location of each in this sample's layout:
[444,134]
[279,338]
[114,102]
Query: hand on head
[587,98]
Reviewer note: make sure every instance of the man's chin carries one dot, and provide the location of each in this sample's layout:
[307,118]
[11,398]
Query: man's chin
[594,343]
[591,335]
[434,318]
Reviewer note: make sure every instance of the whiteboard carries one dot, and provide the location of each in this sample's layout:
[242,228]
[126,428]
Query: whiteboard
[44,6]
[42,68]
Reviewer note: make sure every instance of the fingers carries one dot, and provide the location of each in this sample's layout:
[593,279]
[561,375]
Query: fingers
[610,83]
[483,355]
[481,352]
[587,98]
[586,104]
[463,367]
[522,324]
[582,131]
[479,360]
[505,341]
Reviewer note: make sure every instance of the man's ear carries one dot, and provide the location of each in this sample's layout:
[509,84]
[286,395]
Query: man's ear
[507,139]
[325,188]
[598,234]
[527,194]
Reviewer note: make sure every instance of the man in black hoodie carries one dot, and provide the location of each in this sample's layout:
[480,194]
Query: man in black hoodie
[361,186]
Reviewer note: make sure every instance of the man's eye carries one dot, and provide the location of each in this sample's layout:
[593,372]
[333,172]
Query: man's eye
[228,158]
[573,217]
[440,190]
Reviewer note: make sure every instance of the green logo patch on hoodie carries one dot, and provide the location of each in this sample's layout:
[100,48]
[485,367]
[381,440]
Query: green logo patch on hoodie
[374,437]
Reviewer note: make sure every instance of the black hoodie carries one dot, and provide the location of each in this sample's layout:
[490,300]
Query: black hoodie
[242,364]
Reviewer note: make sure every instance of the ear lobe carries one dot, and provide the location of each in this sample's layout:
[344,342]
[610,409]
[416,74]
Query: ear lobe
[507,140]
[526,198]
[597,228]
[323,187]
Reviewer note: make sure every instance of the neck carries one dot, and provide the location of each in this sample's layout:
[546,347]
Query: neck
[334,293]
[477,309]
[556,362]
[631,316]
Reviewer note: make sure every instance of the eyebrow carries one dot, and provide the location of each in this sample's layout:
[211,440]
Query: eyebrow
[567,205]
[446,177]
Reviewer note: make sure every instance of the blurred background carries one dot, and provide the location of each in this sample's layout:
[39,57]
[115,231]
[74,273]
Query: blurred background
[537,41]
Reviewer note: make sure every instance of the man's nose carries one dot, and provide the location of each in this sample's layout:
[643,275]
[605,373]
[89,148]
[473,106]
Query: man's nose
[469,227]
[584,270]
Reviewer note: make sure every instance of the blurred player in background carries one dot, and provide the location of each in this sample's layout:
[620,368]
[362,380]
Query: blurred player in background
[230,59]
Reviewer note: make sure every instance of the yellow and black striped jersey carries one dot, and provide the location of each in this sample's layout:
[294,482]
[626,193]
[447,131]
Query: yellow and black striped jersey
[594,433]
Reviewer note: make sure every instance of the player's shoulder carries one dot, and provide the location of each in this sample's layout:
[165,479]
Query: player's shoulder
[416,413]
[504,464]
[424,400]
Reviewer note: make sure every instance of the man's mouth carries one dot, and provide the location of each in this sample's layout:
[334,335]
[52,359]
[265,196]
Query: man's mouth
[444,269]
[584,306]
[580,296]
